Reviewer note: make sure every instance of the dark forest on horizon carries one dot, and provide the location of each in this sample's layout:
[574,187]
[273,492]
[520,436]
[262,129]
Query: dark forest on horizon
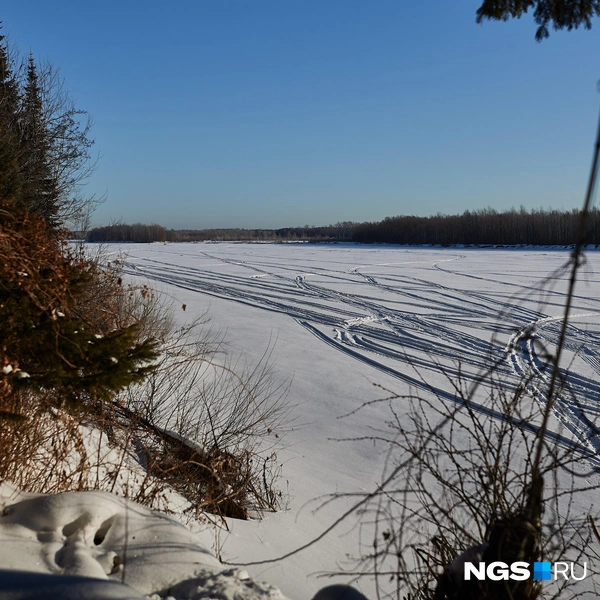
[539,227]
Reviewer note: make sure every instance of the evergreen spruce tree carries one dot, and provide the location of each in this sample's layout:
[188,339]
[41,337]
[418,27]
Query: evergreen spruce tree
[10,176]
[10,180]
[559,14]
[47,344]
[39,194]
[9,92]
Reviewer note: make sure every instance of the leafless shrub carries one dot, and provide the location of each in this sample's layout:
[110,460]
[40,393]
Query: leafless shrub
[68,132]
[108,302]
[210,427]
[457,478]
[41,450]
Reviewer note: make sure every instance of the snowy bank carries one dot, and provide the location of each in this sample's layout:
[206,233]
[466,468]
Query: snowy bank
[113,540]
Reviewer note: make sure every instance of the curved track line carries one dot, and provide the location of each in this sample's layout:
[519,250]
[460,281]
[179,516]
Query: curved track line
[563,441]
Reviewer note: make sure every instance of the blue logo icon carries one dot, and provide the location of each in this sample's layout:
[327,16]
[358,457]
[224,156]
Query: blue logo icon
[542,571]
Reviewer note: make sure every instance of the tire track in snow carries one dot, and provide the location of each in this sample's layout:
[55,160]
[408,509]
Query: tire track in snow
[571,407]
[563,441]
[400,326]
[519,286]
[370,328]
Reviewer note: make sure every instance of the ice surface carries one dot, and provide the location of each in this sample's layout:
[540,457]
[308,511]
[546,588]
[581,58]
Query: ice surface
[345,317]
[342,318]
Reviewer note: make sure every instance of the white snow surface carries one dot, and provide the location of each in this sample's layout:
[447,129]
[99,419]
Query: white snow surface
[342,318]
[345,317]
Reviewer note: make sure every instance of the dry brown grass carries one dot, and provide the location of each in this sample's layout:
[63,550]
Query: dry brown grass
[209,428]
[41,449]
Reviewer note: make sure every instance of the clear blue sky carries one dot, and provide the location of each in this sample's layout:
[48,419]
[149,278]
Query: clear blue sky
[270,113]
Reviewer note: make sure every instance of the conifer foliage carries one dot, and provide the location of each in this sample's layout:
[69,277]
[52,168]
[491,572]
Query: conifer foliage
[9,93]
[52,343]
[48,344]
[39,194]
[559,14]
[46,136]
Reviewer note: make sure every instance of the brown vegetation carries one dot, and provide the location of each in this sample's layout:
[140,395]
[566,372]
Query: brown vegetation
[97,390]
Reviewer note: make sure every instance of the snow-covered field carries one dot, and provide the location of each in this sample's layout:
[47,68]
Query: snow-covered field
[345,317]
[350,324]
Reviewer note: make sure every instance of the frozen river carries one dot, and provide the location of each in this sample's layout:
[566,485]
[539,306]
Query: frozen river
[341,318]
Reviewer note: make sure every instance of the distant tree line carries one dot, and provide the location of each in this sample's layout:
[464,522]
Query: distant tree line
[482,227]
[137,232]
[156,233]
[538,227]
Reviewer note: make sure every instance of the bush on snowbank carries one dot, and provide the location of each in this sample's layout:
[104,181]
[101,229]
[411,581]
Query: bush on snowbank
[81,350]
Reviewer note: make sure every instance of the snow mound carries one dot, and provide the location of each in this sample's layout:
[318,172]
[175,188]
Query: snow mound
[102,536]
[233,584]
